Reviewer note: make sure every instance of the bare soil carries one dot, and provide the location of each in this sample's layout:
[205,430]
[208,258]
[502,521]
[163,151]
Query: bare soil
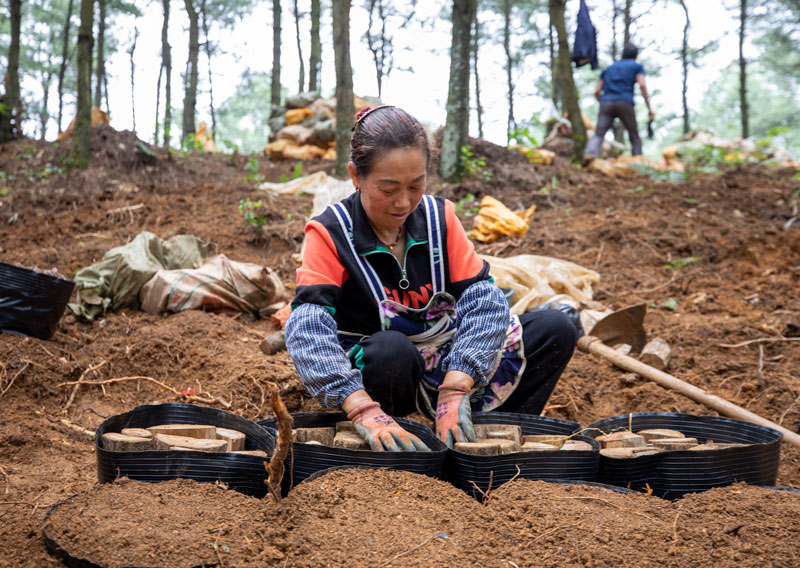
[640,235]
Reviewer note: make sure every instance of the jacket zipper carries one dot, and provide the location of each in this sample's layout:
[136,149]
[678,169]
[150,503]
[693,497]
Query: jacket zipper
[403,273]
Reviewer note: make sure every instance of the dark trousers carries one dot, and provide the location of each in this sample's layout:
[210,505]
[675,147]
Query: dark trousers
[608,112]
[393,367]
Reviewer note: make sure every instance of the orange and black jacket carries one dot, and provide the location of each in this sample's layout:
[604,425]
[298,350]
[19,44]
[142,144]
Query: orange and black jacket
[331,278]
[334,296]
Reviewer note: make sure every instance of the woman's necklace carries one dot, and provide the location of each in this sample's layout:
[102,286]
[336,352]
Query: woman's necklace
[391,246]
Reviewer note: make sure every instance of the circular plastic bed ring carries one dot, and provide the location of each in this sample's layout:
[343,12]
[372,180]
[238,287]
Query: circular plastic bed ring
[306,459]
[31,303]
[478,474]
[672,474]
[241,472]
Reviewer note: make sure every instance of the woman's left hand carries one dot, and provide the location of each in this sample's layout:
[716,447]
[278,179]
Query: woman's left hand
[453,411]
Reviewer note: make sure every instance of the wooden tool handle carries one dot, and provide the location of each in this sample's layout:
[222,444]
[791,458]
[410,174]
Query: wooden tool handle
[594,345]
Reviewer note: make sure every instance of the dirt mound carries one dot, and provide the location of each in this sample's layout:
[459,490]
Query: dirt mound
[381,518]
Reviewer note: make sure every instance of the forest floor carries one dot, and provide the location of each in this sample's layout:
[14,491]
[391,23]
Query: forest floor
[637,233]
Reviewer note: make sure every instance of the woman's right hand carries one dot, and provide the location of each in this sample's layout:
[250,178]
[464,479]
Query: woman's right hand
[381,431]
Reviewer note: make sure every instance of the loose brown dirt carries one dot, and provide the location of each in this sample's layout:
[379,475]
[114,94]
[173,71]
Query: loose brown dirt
[635,232]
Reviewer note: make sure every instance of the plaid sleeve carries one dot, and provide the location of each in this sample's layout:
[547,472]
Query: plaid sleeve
[483,320]
[320,361]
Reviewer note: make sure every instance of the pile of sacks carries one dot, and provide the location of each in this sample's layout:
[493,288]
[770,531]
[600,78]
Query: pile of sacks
[305,128]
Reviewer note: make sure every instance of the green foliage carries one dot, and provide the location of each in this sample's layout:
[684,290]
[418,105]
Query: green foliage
[681,262]
[252,217]
[252,167]
[191,144]
[144,148]
[467,205]
[472,164]
[242,119]
[670,304]
[522,135]
[296,173]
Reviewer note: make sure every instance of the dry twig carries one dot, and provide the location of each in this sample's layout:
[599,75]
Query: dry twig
[7,479]
[554,529]
[276,468]
[14,378]
[191,397]
[607,503]
[759,340]
[409,551]
[78,384]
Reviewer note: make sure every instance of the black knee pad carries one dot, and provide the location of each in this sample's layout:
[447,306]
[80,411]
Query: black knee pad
[392,370]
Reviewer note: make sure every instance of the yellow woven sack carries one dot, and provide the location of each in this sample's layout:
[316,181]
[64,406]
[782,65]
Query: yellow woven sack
[495,220]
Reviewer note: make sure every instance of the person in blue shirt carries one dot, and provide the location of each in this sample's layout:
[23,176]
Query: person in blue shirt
[614,90]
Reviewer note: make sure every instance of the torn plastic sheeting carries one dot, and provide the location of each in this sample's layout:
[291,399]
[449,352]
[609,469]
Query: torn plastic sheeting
[115,282]
[674,473]
[306,459]
[536,280]
[220,285]
[325,189]
[31,302]
[241,472]
[476,474]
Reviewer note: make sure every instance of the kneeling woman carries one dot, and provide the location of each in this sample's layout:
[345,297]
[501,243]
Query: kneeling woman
[394,310]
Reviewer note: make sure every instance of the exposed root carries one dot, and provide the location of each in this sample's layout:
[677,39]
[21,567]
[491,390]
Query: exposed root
[276,467]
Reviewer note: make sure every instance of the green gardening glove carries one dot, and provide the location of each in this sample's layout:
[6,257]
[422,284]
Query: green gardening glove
[381,431]
[454,415]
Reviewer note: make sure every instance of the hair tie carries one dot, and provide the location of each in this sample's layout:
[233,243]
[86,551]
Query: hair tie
[364,112]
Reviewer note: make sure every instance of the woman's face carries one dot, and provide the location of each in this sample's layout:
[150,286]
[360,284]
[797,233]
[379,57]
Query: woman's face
[394,187]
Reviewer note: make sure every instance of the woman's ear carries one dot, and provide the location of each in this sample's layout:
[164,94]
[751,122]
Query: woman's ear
[351,169]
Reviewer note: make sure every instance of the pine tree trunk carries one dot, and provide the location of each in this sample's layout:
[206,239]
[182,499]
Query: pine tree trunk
[556,83]
[344,84]
[627,21]
[190,94]
[570,92]
[63,68]
[133,70]
[275,91]
[302,79]
[83,119]
[743,70]
[47,77]
[685,66]
[456,129]
[478,107]
[316,51]
[210,76]
[9,123]
[511,124]
[614,14]
[166,56]
[100,70]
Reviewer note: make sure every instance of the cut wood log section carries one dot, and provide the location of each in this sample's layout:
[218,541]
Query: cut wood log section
[350,441]
[675,443]
[577,445]
[138,432]
[551,439]
[345,426]
[715,446]
[479,448]
[507,446]
[504,432]
[624,453]
[168,441]
[622,439]
[323,436]
[273,343]
[236,440]
[116,442]
[536,447]
[656,353]
[659,434]
[203,431]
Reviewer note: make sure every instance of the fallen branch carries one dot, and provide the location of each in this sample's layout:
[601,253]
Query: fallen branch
[760,340]
[191,397]
[79,429]
[276,468]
